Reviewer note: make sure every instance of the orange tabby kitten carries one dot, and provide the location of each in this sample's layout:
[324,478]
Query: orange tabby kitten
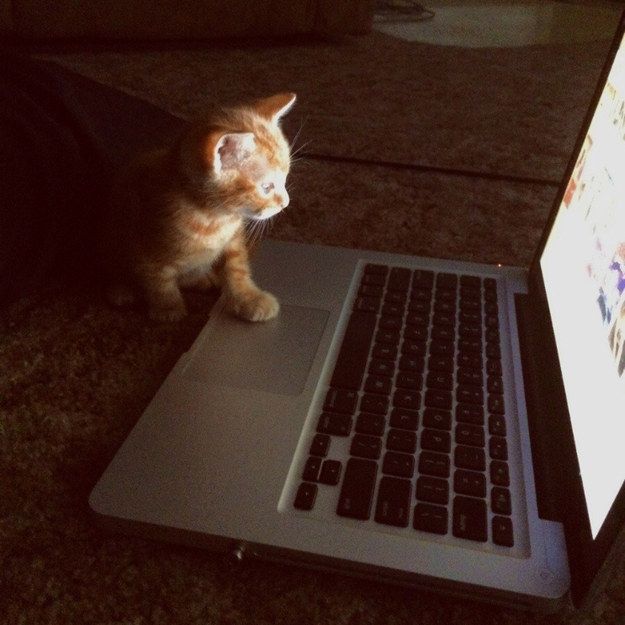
[179,214]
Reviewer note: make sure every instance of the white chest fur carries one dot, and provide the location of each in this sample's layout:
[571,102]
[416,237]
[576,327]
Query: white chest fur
[207,238]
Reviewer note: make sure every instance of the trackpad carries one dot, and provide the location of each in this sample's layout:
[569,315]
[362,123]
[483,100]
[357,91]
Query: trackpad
[273,356]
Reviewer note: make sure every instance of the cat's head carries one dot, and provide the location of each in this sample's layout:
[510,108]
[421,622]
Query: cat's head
[248,157]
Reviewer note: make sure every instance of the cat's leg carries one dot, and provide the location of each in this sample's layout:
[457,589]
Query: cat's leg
[201,280]
[164,299]
[245,299]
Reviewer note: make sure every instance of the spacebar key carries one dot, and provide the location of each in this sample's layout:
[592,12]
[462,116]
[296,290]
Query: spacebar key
[357,490]
[352,358]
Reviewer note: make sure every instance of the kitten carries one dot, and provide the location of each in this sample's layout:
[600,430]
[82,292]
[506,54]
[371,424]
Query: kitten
[178,215]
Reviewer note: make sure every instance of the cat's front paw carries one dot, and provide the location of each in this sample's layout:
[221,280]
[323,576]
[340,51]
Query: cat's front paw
[255,306]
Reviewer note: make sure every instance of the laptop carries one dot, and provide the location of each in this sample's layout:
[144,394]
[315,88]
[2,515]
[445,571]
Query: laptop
[445,425]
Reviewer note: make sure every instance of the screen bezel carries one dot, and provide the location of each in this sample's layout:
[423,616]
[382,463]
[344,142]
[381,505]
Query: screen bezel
[586,555]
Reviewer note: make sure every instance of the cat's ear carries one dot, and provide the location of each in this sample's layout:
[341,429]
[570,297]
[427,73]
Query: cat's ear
[275,107]
[229,150]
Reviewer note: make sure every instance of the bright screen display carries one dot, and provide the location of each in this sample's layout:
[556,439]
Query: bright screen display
[583,267]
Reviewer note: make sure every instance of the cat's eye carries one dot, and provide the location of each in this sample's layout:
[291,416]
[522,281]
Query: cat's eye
[267,187]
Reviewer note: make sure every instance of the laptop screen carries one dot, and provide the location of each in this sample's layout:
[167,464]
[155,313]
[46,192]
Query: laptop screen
[583,267]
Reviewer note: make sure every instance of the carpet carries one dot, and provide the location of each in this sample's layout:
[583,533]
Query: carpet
[406,147]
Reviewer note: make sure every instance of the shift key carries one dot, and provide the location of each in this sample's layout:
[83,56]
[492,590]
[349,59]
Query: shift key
[357,490]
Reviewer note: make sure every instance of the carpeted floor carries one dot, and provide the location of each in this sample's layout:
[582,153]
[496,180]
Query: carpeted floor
[405,147]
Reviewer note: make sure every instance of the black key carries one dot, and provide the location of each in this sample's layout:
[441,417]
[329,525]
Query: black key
[470,395]
[470,346]
[399,279]
[357,489]
[364,446]
[319,445]
[393,503]
[493,351]
[491,308]
[469,518]
[495,384]
[367,304]
[432,490]
[435,398]
[330,472]
[396,297]
[472,377]
[371,424]
[429,518]
[378,384]
[470,332]
[469,434]
[498,448]
[499,474]
[419,311]
[497,425]
[443,333]
[390,337]
[423,278]
[384,351]
[311,469]
[472,458]
[441,347]
[500,500]
[502,531]
[337,424]
[445,295]
[341,400]
[416,333]
[470,360]
[403,398]
[404,419]
[382,367]
[413,348]
[431,463]
[412,363]
[492,335]
[441,363]
[409,380]
[421,293]
[443,318]
[374,403]
[352,358]
[401,440]
[392,309]
[470,413]
[469,483]
[496,404]
[472,282]
[395,463]
[436,440]
[493,366]
[470,318]
[467,304]
[305,497]
[440,380]
[376,269]
[373,279]
[439,419]
[446,281]
[445,306]
[371,290]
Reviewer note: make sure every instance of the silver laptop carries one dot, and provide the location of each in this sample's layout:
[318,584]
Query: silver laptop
[446,425]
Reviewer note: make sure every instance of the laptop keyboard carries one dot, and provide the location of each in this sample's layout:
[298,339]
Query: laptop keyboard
[417,391]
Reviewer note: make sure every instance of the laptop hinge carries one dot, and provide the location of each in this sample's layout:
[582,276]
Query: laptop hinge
[543,434]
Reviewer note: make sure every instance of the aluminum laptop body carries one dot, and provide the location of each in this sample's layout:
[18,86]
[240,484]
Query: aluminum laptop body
[218,458]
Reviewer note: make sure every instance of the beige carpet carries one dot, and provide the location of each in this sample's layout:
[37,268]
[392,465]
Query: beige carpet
[75,375]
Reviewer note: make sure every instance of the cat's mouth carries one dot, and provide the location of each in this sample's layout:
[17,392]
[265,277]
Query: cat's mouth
[266,213]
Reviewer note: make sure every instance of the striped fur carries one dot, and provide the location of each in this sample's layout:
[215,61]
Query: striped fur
[180,216]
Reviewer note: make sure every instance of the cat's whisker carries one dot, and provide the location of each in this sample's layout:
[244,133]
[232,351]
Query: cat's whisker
[301,126]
